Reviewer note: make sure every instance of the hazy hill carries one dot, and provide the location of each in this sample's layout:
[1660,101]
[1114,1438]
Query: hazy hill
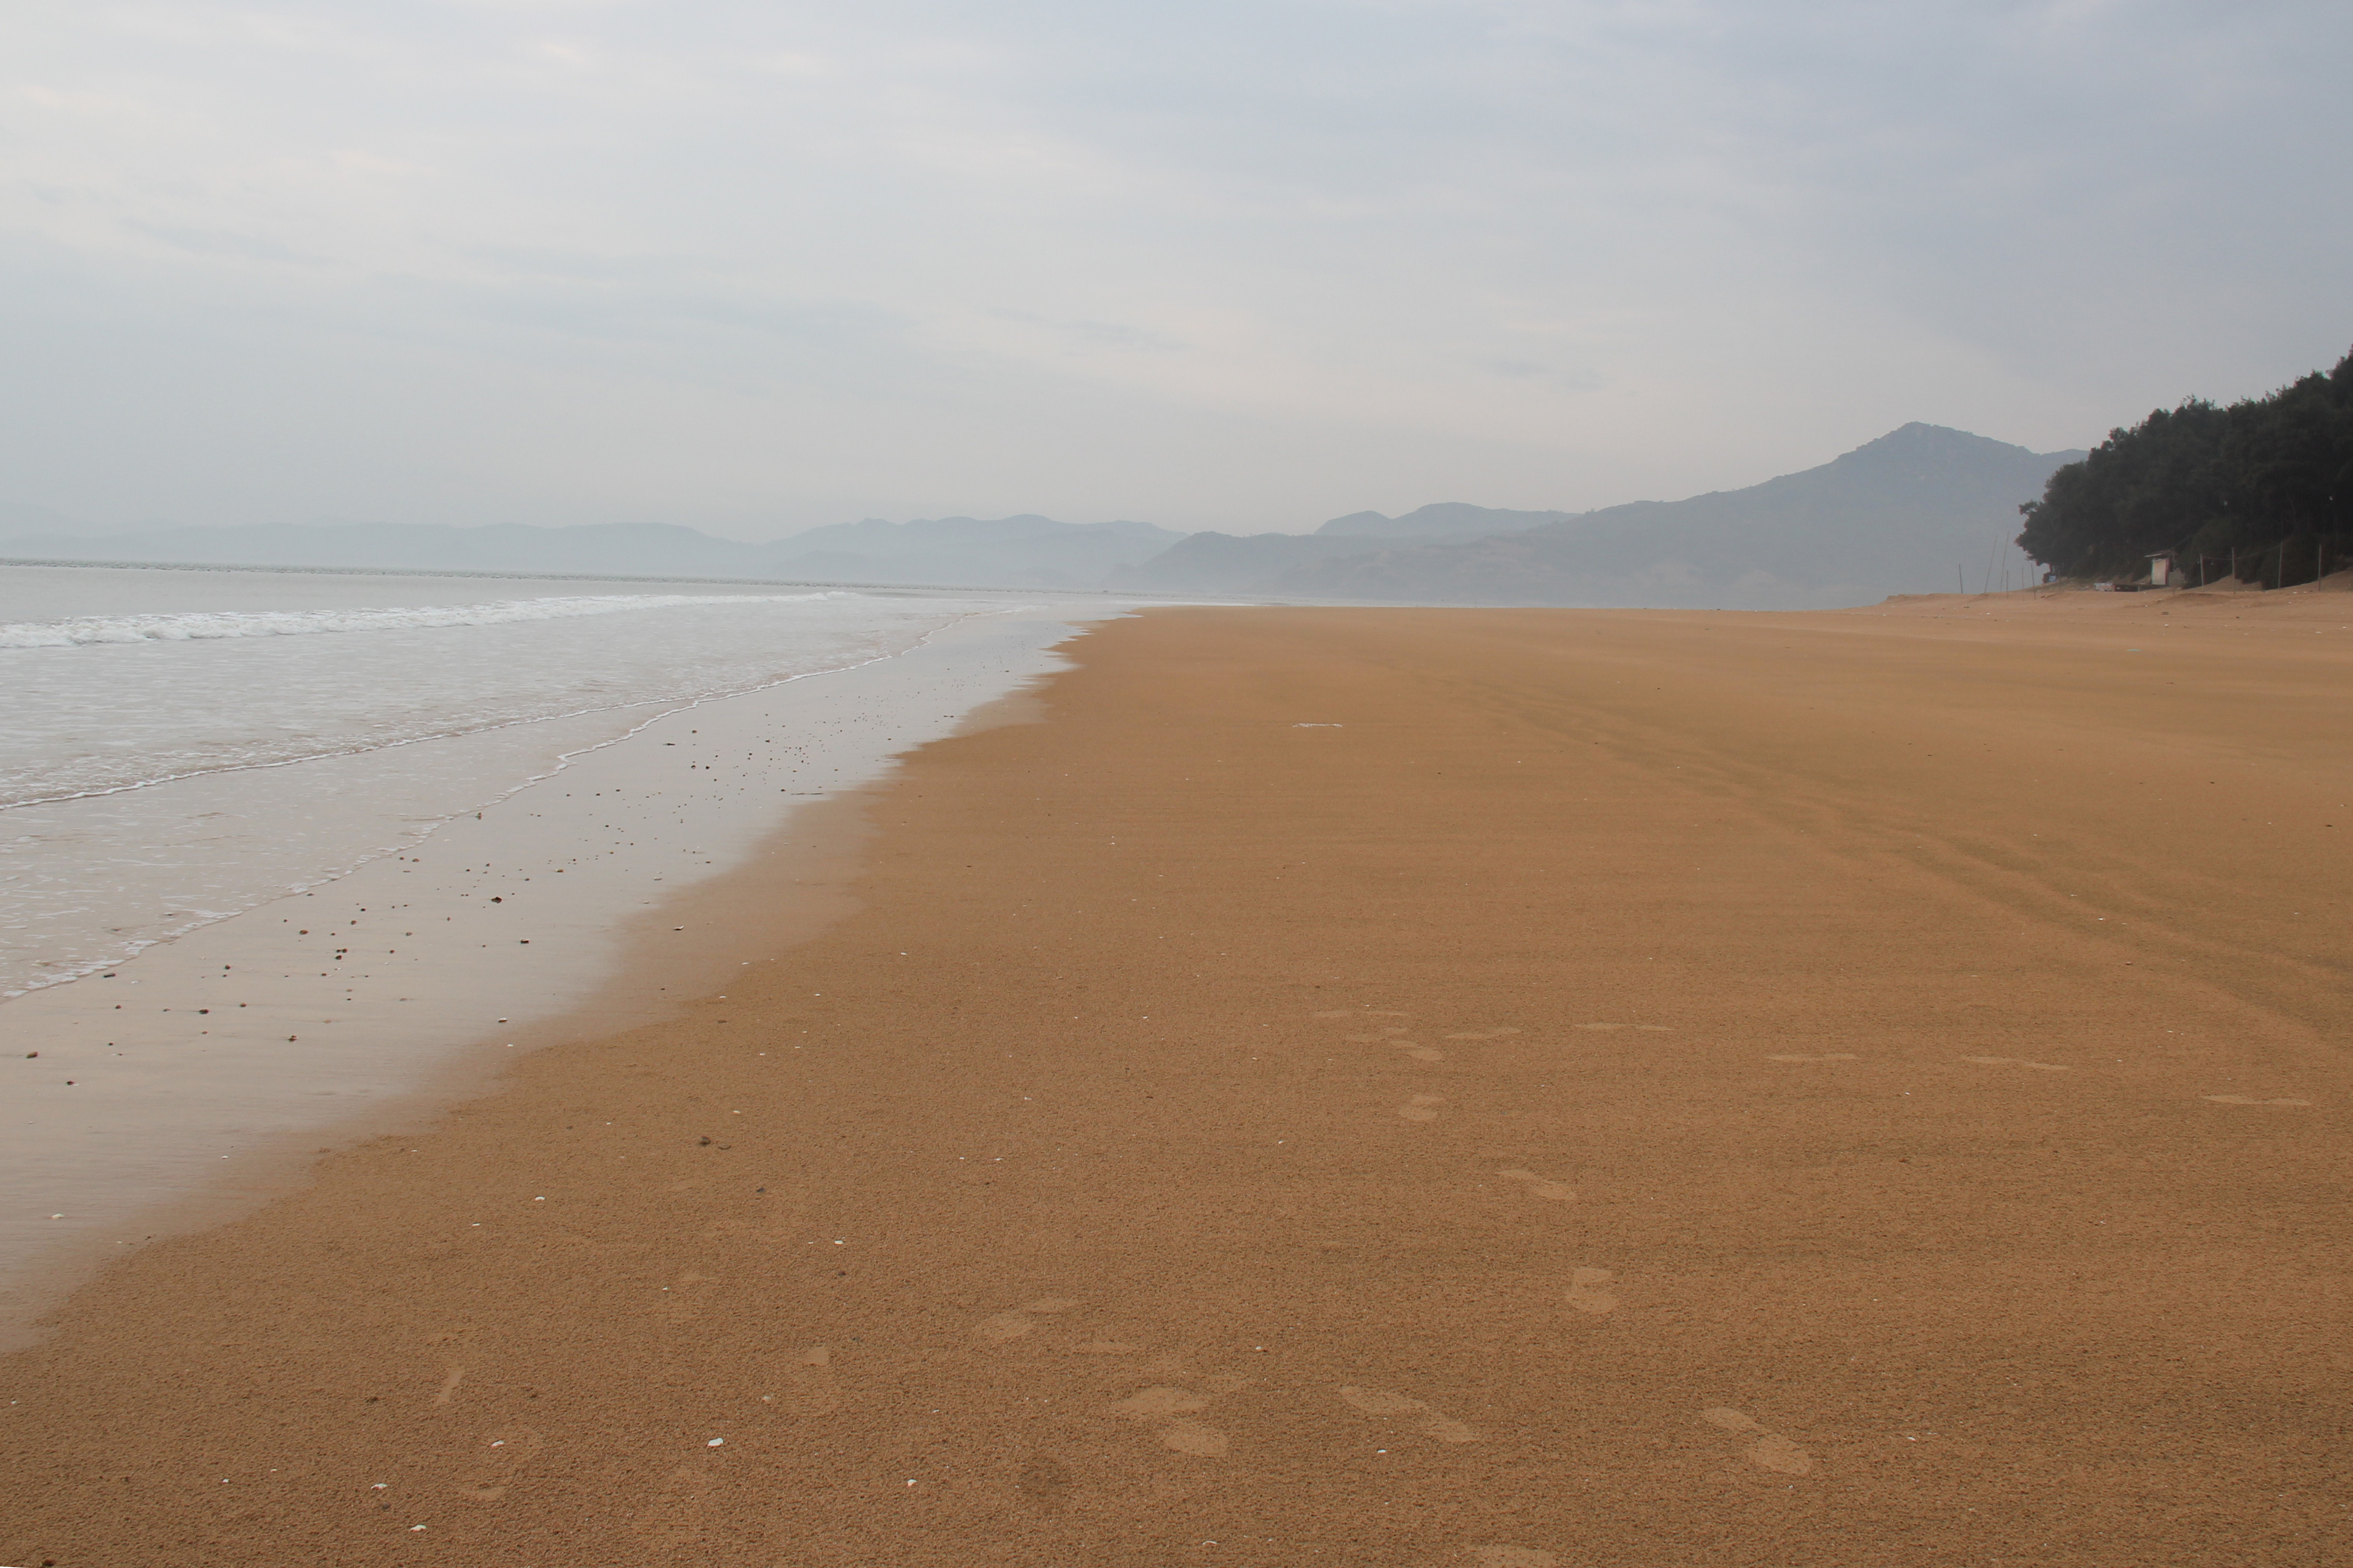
[1025,552]
[24,517]
[1234,564]
[1440,520]
[1013,552]
[621,549]
[1254,563]
[1897,515]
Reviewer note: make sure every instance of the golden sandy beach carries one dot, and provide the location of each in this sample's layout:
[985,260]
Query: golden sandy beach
[1501,1089]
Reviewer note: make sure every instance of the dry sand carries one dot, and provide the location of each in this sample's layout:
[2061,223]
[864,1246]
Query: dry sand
[1491,1087]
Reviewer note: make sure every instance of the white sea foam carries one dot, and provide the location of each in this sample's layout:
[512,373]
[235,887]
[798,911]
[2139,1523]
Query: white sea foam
[180,747]
[84,631]
[335,1002]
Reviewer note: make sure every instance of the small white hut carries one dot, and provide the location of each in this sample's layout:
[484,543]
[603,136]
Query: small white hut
[2161,567]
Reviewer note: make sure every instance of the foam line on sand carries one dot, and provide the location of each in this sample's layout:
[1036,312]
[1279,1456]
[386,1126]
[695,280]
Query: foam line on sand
[195,1079]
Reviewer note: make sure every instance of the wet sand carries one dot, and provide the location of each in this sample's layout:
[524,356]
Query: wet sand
[191,1081]
[1499,1088]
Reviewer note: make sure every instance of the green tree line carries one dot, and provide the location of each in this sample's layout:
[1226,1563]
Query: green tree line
[2266,484]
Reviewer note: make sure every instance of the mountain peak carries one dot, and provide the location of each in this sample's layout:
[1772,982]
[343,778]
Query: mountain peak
[1894,515]
[1438,519]
[1919,438]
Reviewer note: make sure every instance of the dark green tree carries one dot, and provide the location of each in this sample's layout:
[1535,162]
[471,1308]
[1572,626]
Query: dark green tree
[2267,482]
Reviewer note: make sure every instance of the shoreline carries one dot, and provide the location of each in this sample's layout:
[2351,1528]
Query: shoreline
[135,1121]
[1412,1087]
[107,831]
[1110,595]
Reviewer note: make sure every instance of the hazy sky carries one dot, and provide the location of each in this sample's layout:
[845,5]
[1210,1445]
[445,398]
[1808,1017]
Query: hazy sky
[756,267]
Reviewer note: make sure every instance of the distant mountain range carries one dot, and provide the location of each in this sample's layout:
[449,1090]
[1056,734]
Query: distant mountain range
[1897,515]
[1440,520]
[1025,552]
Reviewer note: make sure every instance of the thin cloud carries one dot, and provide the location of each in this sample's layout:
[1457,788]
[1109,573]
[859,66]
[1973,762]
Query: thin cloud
[756,268]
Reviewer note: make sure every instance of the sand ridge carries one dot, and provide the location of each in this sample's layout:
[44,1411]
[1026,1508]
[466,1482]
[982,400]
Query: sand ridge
[1416,1087]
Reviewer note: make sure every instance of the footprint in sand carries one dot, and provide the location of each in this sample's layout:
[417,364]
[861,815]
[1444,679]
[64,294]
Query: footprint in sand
[1511,1557]
[1045,1483]
[1538,1187]
[1430,1422]
[2015,1062]
[1173,1409]
[1021,1319]
[1825,1056]
[2250,1099]
[672,1517]
[1421,1108]
[1585,1293]
[684,1300]
[814,1390]
[496,1463]
[1393,1034]
[1768,1452]
[1418,1052]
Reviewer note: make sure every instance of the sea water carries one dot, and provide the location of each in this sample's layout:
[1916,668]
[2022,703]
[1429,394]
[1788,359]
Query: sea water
[288,857]
[177,746]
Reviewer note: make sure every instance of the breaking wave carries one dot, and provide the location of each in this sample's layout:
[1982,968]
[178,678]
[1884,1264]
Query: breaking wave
[90,631]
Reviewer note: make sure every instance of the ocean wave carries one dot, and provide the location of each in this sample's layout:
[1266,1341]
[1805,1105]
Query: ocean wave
[93,631]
